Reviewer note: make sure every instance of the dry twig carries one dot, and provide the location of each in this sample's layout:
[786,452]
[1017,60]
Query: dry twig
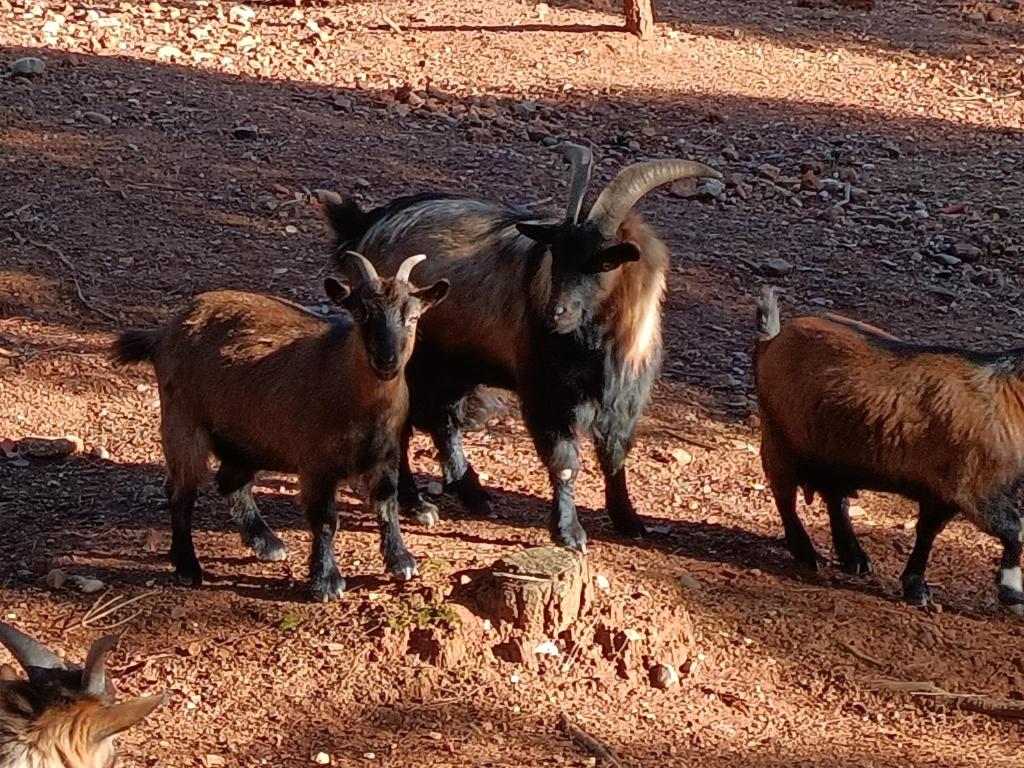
[74,277]
[594,746]
[993,706]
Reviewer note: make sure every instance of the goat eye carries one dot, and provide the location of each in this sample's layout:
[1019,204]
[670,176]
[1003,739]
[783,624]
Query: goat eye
[411,319]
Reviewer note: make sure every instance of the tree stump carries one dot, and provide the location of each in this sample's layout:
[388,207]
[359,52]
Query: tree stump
[539,591]
[640,17]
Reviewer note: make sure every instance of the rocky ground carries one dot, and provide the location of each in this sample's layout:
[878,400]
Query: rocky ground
[873,165]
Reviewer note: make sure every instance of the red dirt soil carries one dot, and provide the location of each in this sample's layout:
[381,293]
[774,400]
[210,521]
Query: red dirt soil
[167,149]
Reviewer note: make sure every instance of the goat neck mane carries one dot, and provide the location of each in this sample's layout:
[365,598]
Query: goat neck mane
[632,296]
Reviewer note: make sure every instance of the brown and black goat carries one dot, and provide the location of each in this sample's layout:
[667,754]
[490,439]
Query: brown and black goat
[847,407]
[61,716]
[566,313]
[265,384]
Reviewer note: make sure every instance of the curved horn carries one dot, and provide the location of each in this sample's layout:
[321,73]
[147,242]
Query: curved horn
[366,269]
[582,159]
[27,651]
[94,674]
[633,182]
[405,268]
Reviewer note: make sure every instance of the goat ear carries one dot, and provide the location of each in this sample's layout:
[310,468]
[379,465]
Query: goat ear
[538,232]
[336,290]
[432,294]
[7,672]
[614,257]
[110,721]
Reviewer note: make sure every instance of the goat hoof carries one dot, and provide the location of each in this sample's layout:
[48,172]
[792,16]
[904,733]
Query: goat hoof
[633,528]
[403,566]
[857,565]
[189,578]
[1012,598]
[424,513]
[573,538]
[917,592]
[268,548]
[327,587]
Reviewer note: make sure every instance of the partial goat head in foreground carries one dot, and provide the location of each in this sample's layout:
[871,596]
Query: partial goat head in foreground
[385,310]
[62,716]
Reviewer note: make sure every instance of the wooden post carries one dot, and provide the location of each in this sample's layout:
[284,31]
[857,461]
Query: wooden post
[640,17]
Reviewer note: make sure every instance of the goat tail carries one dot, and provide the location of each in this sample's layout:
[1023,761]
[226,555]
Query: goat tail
[768,325]
[135,347]
[479,407]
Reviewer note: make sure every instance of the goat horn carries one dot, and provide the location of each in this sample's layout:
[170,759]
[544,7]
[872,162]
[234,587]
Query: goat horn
[633,182]
[582,159]
[28,652]
[405,268]
[94,674]
[366,269]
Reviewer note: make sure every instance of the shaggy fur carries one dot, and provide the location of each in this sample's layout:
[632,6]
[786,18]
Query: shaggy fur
[594,375]
[264,384]
[846,406]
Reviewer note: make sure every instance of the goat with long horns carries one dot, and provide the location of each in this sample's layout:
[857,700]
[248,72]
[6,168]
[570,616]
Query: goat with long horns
[565,313]
[62,716]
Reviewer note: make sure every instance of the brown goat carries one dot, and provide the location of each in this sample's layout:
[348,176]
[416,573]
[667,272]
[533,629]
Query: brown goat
[845,406]
[61,716]
[266,384]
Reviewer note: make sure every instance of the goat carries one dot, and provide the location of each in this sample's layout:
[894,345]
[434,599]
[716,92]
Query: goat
[846,406]
[565,313]
[62,716]
[266,384]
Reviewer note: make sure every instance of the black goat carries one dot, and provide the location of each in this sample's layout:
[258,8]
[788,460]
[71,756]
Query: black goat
[566,313]
[266,384]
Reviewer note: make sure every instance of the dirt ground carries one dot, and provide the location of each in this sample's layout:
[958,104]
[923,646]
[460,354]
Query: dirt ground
[166,150]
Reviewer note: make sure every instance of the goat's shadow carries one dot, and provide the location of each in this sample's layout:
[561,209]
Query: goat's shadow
[122,531]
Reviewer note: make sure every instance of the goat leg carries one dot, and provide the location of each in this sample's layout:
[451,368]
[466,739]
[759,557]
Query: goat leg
[848,549]
[235,482]
[384,503]
[410,500]
[612,443]
[1004,521]
[931,519]
[325,581]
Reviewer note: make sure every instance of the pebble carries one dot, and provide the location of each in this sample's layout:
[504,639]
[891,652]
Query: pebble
[88,586]
[664,676]
[776,267]
[322,758]
[683,188]
[769,171]
[712,188]
[690,583]
[28,66]
[55,578]
[965,251]
[98,118]
[245,132]
[169,52]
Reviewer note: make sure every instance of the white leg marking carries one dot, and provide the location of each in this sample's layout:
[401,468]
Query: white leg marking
[565,474]
[1011,578]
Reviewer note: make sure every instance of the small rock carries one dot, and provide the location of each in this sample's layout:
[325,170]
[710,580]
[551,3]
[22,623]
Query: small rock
[730,155]
[776,267]
[946,259]
[690,583]
[712,188]
[602,582]
[683,188]
[891,149]
[87,585]
[810,182]
[849,176]
[49,448]
[245,132]
[214,761]
[815,167]
[547,648]
[98,118]
[724,381]
[833,186]
[434,735]
[967,252]
[168,52]
[664,676]
[681,456]
[769,171]
[99,452]
[55,578]
[322,758]
[28,66]
[855,510]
